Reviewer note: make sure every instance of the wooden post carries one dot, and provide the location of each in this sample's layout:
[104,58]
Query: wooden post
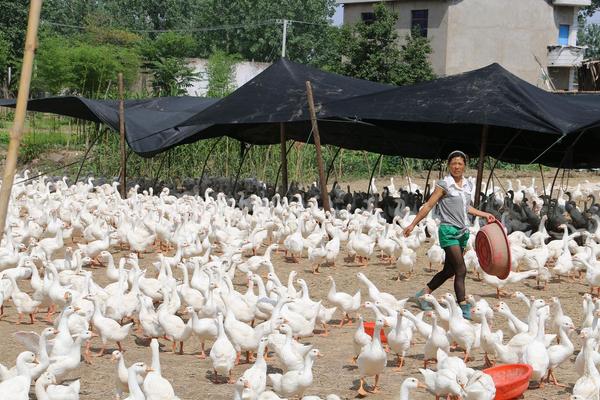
[284,166]
[16,132]
[317,139]
[482,149]
[123,177]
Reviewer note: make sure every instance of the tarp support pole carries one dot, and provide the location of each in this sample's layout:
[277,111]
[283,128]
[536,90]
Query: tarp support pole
[317,140]
[16,132]
[487,184]
[482,148]
[160,165]
[427,189]
[123,185]
[87,152]
[567,152]
[543,183]
[372,174]
[287,151]
[212,148]
[284,166]
[246,150]
[331,164]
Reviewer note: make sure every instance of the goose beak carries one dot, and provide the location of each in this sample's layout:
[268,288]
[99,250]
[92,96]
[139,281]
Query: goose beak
[247,385]
[148,369]
[319,354]
[56,332]
[94,335]
[77,309]
[421,385]
[36,360]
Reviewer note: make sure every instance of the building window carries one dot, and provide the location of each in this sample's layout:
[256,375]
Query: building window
[563,35]
[368,17]
[419,21]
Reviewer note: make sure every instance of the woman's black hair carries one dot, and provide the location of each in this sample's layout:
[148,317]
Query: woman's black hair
[458,153]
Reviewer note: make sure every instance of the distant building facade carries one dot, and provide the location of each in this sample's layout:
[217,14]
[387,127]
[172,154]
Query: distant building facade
[534,39]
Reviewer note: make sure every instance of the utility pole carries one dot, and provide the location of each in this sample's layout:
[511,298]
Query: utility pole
[284,39]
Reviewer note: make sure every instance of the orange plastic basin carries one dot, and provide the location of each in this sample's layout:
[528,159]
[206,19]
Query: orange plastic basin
[493,251]
[370,328]
[511,380]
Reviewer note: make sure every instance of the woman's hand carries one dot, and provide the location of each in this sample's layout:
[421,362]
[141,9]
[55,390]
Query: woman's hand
[408,230]
[490,218]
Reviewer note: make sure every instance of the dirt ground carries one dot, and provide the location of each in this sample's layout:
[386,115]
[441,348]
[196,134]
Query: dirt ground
[334,373]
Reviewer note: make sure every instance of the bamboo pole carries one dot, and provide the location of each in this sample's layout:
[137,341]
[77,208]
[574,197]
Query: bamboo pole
[284,166]
[16,132]
[123,177]
[317,139]
[482,149]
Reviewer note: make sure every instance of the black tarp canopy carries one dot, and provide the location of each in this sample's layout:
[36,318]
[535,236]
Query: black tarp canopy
[426,120]
[149,123]
[433,118]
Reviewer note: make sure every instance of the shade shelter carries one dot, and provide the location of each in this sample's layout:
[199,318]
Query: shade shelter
[150,124]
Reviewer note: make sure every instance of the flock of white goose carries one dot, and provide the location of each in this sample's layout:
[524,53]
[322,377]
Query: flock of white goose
[61,238]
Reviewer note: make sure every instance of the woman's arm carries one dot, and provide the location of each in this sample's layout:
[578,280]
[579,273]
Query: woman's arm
[478,213]
[437,194]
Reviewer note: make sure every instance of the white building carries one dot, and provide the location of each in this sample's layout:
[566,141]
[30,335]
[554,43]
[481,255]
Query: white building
[243,72]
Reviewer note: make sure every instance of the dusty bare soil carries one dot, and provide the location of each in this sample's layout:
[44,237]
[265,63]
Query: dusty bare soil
[334,373]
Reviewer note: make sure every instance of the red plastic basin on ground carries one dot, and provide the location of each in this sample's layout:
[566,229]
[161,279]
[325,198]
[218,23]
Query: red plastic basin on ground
[370,328]
[511,380]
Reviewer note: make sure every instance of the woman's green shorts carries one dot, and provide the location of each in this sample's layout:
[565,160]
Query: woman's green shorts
[450,236]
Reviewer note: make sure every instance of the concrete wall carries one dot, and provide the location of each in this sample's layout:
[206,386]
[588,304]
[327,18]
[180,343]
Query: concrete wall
[437,24]
[244,71]
[509,32]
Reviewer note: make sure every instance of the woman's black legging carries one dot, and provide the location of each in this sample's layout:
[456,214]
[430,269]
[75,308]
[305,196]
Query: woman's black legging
[453,266]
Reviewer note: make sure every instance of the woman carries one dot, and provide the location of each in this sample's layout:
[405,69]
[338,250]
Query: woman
[453,197]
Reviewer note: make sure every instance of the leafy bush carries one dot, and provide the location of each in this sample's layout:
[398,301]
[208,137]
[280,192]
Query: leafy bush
[220,72]
[64,66]
[169,44]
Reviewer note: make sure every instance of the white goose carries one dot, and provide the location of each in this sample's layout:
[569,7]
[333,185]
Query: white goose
[60,366]
[222,353]
[155,386]
[345,302]
[17,388]
[47,389]
[372,359]
[294,383]
[109,329]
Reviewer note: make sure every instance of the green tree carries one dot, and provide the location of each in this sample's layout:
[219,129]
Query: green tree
[591,9]
[4,63]
[13,24]
[165,59]
[255,27]
[220,70]
[370,50]
[171,76]
[169,44]
[590,36]
[415,66]
[67,66]
[151,14]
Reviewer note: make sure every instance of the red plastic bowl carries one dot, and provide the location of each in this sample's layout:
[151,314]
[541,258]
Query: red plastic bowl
[511,380]
[493,250]
[370,328]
